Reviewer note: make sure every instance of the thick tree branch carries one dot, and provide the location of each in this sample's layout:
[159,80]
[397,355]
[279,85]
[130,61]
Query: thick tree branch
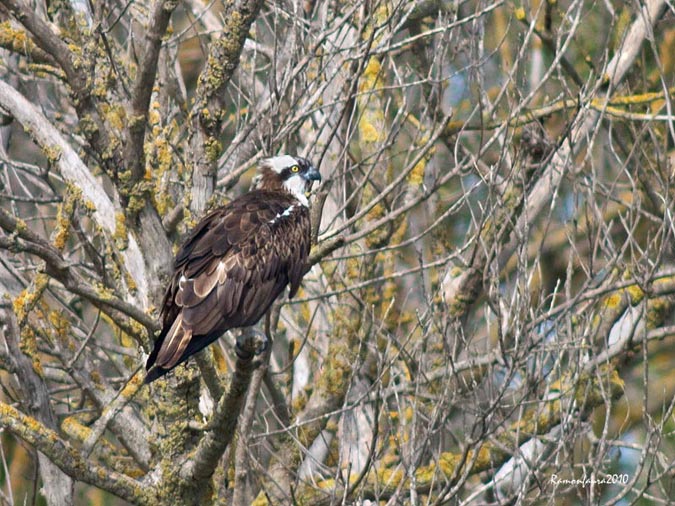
[128,428]
[125,424]
[221,426]
[19,42]
[150,233]
[242,472]
[142,89]
[62,271]
[69,460]
[75,172]
[80,83]
[47,40]
[58,486]
[209,110]
[427,152]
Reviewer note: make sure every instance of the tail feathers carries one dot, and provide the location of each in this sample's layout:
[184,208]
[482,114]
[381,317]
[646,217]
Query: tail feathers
[169,350]
[173,346]
[154,373]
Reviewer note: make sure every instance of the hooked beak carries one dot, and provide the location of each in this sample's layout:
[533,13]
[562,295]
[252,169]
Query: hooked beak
[312,174]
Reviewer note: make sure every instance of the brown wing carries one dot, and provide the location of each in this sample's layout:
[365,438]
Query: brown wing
[232,267]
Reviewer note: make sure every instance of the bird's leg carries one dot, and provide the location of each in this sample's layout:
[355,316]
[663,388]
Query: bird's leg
[250,342]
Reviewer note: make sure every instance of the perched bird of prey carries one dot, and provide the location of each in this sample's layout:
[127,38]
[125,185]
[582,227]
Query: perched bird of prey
[236,262]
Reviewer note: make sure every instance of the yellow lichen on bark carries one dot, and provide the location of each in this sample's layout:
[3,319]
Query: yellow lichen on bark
[371,122]
[121,234]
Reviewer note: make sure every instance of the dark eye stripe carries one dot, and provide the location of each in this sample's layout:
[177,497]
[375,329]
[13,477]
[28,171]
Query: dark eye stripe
[286,173]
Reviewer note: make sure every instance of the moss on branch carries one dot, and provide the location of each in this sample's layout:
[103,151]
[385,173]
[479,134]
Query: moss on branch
[18,41]
[588,391]
[69,460]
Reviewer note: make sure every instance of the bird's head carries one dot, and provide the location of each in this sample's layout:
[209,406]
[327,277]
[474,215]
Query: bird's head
[291,173]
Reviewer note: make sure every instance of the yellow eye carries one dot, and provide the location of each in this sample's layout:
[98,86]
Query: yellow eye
[295,168]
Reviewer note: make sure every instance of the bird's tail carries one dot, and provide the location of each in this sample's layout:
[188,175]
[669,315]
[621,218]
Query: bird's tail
[154,373]
[169,350]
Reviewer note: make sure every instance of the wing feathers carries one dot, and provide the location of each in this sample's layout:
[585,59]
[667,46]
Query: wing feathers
[229,293]
[232,267]
[206,282]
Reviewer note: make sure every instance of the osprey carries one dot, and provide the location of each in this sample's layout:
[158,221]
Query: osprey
[236,262]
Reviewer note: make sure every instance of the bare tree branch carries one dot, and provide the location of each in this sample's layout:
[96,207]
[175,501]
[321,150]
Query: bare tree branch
[207,115]
[490,282]
[221,426]
[74,171]
[69,460]
[142,88]
[59,487]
